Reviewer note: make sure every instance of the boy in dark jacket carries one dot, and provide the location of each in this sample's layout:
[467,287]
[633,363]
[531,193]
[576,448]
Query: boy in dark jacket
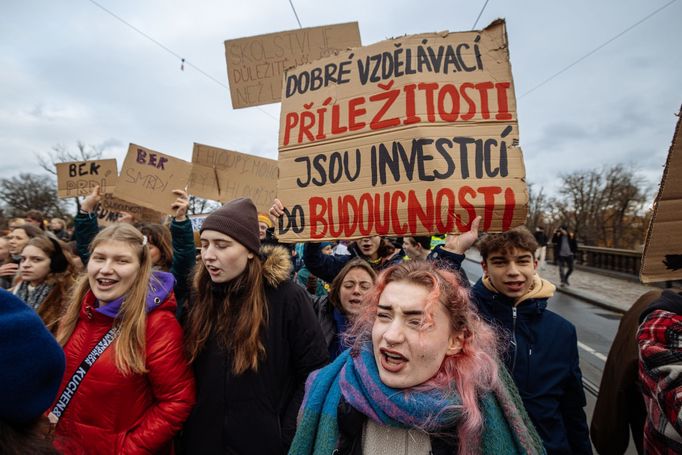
[542,353]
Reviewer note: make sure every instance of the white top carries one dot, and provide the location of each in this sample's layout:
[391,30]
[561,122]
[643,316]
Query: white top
[380,439]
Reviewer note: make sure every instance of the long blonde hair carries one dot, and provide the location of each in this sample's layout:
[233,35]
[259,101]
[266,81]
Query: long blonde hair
[132,319]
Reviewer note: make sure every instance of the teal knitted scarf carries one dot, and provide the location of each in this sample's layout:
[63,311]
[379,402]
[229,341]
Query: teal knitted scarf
[506,429]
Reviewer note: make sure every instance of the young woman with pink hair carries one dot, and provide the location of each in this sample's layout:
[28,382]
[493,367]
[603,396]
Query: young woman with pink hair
[422,376]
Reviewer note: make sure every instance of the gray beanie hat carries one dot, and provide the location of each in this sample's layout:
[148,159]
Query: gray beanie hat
[238,219]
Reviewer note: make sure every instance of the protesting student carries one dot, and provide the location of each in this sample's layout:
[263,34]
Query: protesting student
[417,248]
[253,339]
[16,241]
[619,412]
[542,356]
[46,278]
[58,228]
[422,377]
[315,286]
[337,310]
[171,250]
[660,363]
[128,386]
[31,367]
[5,258]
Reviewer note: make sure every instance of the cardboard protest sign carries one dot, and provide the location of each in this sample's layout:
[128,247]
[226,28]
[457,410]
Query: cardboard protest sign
[78,178]
[111,208]
[148,179]
[255,65]
[410,136]
[662,259]
[223,175]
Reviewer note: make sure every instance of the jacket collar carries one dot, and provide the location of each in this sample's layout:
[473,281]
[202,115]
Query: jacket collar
[668,301]
[540,289]
[276,264]
[497,300]
[160,287]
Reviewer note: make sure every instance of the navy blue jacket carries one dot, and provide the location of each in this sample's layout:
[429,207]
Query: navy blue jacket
[542,357]
[327,266]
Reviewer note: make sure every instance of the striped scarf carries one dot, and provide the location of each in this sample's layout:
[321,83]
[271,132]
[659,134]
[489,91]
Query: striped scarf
[33,297]
[507,428]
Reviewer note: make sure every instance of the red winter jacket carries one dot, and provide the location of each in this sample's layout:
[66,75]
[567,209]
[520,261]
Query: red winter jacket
[136,414]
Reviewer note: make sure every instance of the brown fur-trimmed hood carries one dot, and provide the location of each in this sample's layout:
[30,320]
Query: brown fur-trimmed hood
[276,264]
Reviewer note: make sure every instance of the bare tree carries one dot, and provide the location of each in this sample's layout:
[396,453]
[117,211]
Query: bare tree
[60,154]
[31,191]
[603,206]
[625,195]
[537,208]
[197,205]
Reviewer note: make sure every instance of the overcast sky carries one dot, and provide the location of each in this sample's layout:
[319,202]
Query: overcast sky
[69,71]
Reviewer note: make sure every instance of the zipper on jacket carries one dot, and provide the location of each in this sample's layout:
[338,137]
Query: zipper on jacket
[514,338]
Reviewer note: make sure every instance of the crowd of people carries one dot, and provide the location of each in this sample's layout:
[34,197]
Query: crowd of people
[132,338]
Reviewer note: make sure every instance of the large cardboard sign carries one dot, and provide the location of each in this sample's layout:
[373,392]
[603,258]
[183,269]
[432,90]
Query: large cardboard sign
[662,260]
[148,179]
[78,178]
[255,65]
[410,136]
[223,175]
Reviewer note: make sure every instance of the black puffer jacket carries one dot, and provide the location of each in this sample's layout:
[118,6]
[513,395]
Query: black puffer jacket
[255,412]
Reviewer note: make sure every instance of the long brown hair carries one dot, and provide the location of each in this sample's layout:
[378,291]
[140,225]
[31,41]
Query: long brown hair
[159,236]
[51,309]
[234,312]
[132,319]
[335,286]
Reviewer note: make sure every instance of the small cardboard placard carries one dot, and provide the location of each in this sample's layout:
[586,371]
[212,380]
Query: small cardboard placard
[662,258]
[411,136]
[148,179]
[78,178]
[110,209]
[255,64]
[223,175]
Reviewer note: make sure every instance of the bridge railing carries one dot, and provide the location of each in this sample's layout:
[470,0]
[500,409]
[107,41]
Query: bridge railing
[611,259]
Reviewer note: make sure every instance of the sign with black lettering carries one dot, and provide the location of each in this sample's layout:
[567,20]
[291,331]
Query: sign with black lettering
[411,136]
[223,175]
[662,259]
[148,179]
[111,209]
[78,178]
[255,65]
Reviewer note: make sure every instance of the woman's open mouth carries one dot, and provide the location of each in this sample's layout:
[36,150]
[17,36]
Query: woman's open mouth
[392,361]
[105,283]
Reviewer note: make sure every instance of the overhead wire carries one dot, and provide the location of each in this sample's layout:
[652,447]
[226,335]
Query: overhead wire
[295,14]
[593,51]
[479,15]
[183,60]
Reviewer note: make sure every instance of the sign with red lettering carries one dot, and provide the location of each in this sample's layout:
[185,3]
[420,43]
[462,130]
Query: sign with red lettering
[223,175]
[148,179]
[662,259]
[410,136]
[255,65]
[78,178]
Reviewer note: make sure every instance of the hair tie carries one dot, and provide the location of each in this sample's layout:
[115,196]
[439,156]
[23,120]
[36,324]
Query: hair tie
[144,240]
